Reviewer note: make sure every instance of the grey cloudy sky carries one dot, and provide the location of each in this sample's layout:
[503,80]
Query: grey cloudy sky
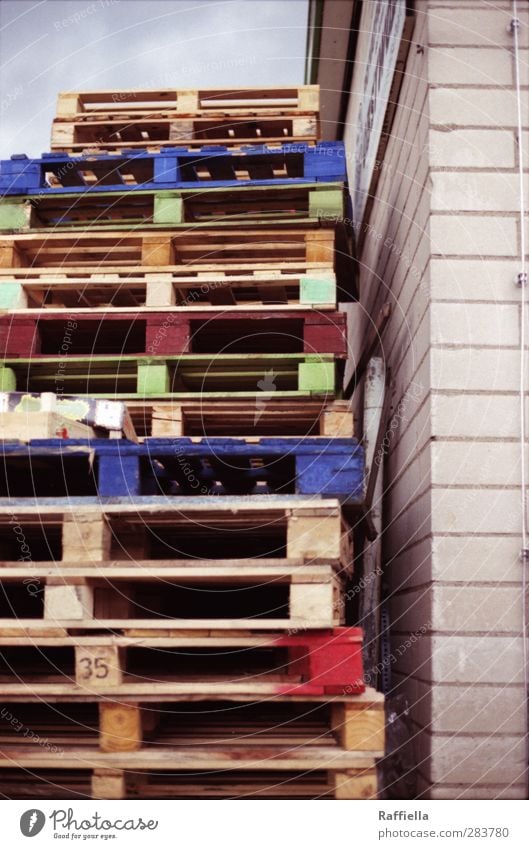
[60,45]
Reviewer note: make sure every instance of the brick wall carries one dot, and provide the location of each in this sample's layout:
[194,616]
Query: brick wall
[441,245]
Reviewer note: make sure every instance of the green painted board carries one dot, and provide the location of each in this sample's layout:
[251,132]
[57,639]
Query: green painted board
[317,290]
[326,203]
[12,295]
[168,209]
[316,377]
[14,215]
[8,380]
[153,378]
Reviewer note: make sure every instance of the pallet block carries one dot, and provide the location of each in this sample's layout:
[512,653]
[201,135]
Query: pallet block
[108,784]
[120,727]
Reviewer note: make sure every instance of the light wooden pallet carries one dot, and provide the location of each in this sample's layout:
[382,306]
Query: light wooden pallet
[359,783]
[268,740]
[299,550]
[112,121]
[193,101]
[276,417]
[181,288]
[155,597]
[186,266]
[300,249]
[299,529]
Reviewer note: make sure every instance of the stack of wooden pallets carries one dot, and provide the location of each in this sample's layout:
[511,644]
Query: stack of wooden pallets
[171,623]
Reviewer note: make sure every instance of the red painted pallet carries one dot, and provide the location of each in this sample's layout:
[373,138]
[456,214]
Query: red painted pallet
[211,331]
[142,666]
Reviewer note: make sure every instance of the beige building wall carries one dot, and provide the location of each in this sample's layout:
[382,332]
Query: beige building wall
[441,245]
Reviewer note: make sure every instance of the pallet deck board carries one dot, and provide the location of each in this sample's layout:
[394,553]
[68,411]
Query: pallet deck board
[258,757]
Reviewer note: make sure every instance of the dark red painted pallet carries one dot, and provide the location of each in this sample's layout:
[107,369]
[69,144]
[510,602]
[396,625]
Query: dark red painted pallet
[198,332]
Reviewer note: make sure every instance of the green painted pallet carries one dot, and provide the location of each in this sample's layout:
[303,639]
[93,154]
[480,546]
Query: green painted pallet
[174,208]
[264,376]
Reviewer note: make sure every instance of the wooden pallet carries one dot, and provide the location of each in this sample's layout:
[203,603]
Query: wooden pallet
[219,101]
[185,258]
[202,207]
[314,532]
[174,168]
[189,289]
[138,665]
[282,248]
[360,783]
[179,466]
[113,121]
[214,331]
[277,417]
[129,377]
[154,595]
[268,741]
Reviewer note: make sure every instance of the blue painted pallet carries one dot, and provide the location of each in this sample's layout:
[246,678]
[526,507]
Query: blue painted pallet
[215,167]
[330,467]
